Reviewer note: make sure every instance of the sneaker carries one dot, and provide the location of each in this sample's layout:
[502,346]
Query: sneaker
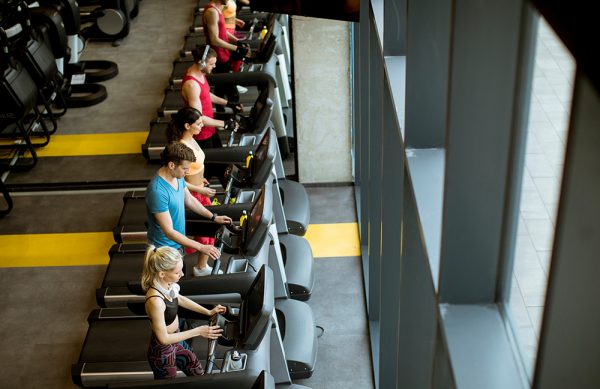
[241,90]
[204,272]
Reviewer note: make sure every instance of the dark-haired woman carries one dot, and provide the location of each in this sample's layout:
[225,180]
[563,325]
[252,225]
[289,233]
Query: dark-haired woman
[185,125]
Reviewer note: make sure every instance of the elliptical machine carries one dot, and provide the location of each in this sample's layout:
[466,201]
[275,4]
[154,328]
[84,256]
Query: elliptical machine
[107,20]
[67,46]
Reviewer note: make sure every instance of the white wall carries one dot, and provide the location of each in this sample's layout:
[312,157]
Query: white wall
[322,84]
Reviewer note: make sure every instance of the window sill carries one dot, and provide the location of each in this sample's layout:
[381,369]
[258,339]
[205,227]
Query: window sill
[479,348]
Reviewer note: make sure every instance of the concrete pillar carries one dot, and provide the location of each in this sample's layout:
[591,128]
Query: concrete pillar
[321,52]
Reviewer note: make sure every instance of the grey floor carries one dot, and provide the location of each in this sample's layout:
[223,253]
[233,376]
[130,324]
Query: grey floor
[44,310]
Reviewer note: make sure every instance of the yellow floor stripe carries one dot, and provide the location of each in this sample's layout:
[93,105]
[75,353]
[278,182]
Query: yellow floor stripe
[91,248]
[72,249]
[94,144]
[333,240]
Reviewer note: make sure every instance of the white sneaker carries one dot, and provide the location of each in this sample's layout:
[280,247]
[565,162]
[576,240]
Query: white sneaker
[241,90]
[204,272]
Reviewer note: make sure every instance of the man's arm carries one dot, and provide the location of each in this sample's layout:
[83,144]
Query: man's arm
[166,224]
[191,91]
[236,106]
[192,203]
[211,18]
[217,100]
[213,122]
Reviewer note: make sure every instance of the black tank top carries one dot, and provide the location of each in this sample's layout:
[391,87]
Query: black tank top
[170,310]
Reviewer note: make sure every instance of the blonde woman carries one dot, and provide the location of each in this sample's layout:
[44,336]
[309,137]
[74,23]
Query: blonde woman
[168,349]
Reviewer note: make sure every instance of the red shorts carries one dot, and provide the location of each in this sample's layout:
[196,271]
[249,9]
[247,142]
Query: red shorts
[201,239]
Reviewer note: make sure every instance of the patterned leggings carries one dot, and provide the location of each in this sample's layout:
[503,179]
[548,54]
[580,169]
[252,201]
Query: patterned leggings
[166,359]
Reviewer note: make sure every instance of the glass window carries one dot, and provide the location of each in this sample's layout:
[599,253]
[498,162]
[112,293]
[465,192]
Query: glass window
[546,140]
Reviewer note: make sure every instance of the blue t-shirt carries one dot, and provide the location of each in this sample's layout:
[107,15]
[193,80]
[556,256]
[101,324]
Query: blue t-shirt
[161,197]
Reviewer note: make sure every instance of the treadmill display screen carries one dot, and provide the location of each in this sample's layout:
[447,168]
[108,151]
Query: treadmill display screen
[256,214]
[253,309]
[260,155]
[259,103]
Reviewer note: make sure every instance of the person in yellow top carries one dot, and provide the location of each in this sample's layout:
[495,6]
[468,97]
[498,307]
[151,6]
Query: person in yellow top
[231,21]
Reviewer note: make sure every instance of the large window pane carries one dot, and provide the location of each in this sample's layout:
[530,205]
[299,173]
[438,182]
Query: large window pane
[546,140]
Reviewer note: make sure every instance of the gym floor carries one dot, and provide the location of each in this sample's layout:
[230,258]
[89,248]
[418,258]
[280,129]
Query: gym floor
[54,244]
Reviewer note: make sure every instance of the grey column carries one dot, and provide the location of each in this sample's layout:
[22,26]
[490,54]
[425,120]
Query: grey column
[362,167]
[394,27]
[481,118]
[427,69]
[569,348]
[417,301]
[391,238]
[375,178]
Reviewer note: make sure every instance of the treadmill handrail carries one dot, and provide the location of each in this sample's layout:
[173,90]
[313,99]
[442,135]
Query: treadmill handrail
[212,284]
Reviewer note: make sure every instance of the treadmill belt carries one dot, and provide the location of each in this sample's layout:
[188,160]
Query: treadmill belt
[197,20]
[124,267]
[179,69]
[134,212]
[172,100]
[158,133]
[132,337]
[86,170]
[191,41]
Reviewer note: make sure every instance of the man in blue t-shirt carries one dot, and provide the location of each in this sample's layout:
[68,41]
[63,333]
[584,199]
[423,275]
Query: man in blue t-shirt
[167,196]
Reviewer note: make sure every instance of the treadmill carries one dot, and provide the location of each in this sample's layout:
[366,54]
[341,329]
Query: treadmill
[246,331]
[292,251]
[281,338]
[255,122]
[299,346]
[292,207]
[298,336]
[239,380]
[270,57]
[254,81]
[290,258]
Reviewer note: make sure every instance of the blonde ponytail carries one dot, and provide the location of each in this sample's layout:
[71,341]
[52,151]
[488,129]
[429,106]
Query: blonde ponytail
[158,259]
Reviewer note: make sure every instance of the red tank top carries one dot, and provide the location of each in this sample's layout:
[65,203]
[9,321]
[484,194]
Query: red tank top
[222,54]
[207,106]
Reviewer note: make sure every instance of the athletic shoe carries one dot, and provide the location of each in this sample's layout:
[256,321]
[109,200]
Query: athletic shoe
[241,90]
[204,272]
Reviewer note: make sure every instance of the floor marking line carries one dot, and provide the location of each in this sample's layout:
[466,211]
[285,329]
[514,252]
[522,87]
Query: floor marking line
[91,248]
[68,249]
[77,145]
[333,240]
